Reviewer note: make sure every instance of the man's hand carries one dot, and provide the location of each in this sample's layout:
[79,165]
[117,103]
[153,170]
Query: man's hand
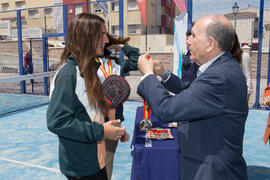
[158,68]
[145,65]
[112,132]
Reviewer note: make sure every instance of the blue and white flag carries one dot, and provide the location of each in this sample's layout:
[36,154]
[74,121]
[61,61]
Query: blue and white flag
[180,46]
[103,5]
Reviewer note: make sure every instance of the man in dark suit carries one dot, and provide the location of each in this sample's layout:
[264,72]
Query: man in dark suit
[211,111]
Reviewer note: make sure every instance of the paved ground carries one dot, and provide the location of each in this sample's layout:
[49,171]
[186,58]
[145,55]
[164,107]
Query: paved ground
[29,150]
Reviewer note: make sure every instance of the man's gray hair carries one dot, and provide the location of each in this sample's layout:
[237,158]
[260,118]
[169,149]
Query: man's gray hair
[222,33]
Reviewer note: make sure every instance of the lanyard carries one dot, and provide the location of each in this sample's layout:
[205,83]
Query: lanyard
[146,109]
[102,68]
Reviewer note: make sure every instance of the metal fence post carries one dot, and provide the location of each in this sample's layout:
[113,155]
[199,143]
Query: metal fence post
[268,72]
[121,23]
[257,102]
[65,22]
[20,50]
[45,64]
[189,11]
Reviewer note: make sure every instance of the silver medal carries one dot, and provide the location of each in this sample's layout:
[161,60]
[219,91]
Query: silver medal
[145,125]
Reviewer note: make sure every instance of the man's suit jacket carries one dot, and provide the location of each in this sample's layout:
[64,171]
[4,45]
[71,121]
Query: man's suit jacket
[211,112]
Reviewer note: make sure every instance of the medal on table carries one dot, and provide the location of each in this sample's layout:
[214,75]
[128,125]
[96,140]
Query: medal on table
[146,124]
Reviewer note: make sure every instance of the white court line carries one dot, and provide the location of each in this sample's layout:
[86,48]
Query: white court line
[31,165]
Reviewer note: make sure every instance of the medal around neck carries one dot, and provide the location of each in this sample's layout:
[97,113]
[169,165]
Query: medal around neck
[116,90]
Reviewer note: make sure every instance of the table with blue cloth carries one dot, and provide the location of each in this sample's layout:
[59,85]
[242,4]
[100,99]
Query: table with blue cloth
[154,159]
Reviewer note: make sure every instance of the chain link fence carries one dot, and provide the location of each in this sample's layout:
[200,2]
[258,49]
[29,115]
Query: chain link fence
[156,39]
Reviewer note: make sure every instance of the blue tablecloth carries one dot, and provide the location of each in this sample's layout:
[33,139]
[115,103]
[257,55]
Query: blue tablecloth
[154,159]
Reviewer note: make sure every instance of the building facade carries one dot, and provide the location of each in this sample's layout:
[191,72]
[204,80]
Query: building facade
[247,27]
[41,17]
[35,21]
[156,37]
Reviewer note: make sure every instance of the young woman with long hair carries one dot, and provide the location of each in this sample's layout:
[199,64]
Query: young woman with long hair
[77,109]
[115,65]
[245,62]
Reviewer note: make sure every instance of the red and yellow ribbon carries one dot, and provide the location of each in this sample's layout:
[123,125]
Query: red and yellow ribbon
[146,109]
[102,68]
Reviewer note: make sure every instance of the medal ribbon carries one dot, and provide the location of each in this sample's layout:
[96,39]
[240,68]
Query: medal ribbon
[102,68]
[146,109]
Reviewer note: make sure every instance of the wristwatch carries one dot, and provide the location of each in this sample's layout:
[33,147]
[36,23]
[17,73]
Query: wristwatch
[165,76]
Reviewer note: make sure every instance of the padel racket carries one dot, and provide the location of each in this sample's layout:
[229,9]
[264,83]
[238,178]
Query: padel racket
[116,90]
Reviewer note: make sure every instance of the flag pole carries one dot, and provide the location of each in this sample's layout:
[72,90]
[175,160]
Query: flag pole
[189,11]
[146,26]
[189,20]
[121,24]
